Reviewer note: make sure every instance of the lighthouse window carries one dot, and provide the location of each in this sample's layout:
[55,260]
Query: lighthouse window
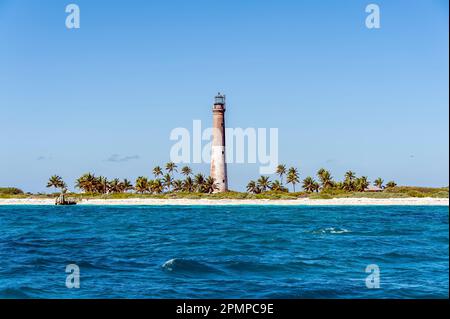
[223,152]
[223,181]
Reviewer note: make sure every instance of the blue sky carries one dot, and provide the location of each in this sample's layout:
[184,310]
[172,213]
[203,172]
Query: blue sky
[104,98]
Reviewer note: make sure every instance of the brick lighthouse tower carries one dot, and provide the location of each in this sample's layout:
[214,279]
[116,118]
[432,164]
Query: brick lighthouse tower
[218,163]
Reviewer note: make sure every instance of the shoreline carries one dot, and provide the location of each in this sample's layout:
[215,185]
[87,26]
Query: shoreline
[409,201]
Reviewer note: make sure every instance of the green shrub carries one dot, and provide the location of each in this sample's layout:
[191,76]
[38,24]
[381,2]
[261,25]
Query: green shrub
[321,196]
[10,191]
[413,193]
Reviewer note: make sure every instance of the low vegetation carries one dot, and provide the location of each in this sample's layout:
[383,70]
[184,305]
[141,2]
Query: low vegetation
[10,191]
[169,183]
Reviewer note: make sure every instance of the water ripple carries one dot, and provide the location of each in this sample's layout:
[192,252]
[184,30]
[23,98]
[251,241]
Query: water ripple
[223,252]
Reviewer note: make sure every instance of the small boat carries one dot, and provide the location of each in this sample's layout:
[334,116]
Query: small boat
[61,200]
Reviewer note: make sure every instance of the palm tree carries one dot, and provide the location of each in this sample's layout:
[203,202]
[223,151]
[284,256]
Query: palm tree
[87,183]
[167,181]
[325,178]
[80,183]
[210,185]
[348,185]
[292,177]
[126,185]
[199,181]
[114,186]
[309,184]
[277,186]
[378,182]
[362,183]
[350,175]
[186,171]
[157,171]
[142,185]
[339,185]
[101,185]
[321,171]
[157,186]
[391,184]
[281,170]
[188,184]
[252,187]
[177,185]
[316,187]
[263,183]
[171,167]
[56,182]
[150,186]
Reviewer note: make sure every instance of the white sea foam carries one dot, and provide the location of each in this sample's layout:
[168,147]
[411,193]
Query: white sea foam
[168,265]
[331,230]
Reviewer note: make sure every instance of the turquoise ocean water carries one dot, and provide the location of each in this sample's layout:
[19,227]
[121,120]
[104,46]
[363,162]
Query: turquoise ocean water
[224,251]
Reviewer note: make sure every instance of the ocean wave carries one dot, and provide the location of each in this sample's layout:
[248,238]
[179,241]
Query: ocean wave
[287,265]
[331,230]
[181,265]
[320,252]
[250,266]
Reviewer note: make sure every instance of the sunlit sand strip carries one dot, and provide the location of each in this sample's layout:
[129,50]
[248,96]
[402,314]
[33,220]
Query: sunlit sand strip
[413,201]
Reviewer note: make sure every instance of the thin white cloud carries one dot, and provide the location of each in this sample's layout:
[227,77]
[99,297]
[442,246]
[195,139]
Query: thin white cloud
[117,158]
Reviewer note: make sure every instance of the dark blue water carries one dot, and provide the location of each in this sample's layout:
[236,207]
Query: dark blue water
[224,252]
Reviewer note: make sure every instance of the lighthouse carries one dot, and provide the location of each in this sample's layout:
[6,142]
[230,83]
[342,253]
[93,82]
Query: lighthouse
[218,163]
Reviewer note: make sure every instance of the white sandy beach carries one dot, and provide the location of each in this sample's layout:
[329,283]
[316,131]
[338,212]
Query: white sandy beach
[413,201]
